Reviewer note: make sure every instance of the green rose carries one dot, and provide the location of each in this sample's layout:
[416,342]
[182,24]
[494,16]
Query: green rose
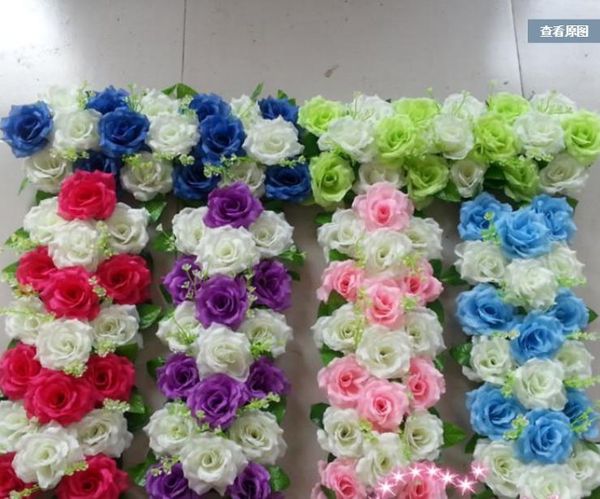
[420,111]
[582,136]
[317,113]
[426,176]
[494,139]
[331,178]
[522,178]
[397,137]
[508,106]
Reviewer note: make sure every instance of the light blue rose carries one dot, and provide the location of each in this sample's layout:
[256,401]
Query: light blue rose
[477,215]
[540,336]
[580,411]
[524,234]
[547,438]
[558,216]
[571,311]
[481,311]
[492,413]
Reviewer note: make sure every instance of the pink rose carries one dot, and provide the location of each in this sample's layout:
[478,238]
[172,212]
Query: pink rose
[422,284]
[343,277]
[340,477]
[383,206]
[384,302]
[343,381]
[423,487]
[425,382]
[383,403]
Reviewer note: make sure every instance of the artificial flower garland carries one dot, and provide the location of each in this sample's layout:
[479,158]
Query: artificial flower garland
[67,380]
[534,424]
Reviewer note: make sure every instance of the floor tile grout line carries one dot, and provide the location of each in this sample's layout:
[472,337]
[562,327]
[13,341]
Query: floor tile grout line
[516,36]
[183,41]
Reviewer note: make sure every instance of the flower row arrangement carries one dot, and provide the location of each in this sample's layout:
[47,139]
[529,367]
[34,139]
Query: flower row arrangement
[535,426]
[379,334]
[220,427]
[69,403]
[322,151]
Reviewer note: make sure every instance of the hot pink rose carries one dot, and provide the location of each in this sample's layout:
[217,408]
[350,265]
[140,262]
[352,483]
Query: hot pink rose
[340,477]
[343,380]
[383,403]
[425,382]
[383,206]
[384,302]
[423,487]
[422,284]
[87,195]
[343,277]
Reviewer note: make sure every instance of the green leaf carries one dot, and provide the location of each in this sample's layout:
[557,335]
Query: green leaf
[436,266]
[164,242]
[595,493]
[278,409]
[337,256]
[485,494]
[19,240]
[329,494]
[440,361]
[130,351]
[438,308]
[279,480]
[136,402]
[294,275]
[138,414]
[180,90]
[9,273]
[149,314]
[471,443]
[572,202]
[311,145]
[316,413]
[435,412]
[593,446]
[155,207]
[495,172]
[275,205]
[292,256]
[451,277]
[328,355]
[41,195]
[462,353]
[165,294]
[257,91]
[450,193]
[453,434]
[334,302]
[138,472]
[592,315]
[23,184]
[153,364]
[323,218]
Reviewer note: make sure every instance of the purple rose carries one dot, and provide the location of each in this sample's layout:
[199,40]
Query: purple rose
[233,205]
[171,484]
[178,376]
[223,300]
[273,285]
[264,378]
[218,397]
[251,483]
[183,281]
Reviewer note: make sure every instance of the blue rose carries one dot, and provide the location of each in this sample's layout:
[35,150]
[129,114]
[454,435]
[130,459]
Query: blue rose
[571,311]
[547,438]
[220,136]
[288,183]
[491,412]
[191,184]
[481,311]
[97,161]
[271,108]
[580,411]
[477,215]
[26,128]
[558,215]
[122,132]
[110,99]
[540,336]
[523,234]
[207,105]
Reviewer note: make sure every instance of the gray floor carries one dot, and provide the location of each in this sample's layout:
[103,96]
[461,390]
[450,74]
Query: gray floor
[331,47]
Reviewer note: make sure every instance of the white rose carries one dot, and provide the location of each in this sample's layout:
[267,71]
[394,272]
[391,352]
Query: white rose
[504,468]
[530,284]
[480,261]
[64,344]
[46,170]
[76,131]
[226,250]
[372,173]
[180,330]
[370,108]
[42,222]
[250,174]
[576,359]
[552,102]
[170,428]
[452,136]
[424,435]
[78,244]
[154,103]
[114,326]
[563,263]
[426,237]
[385,250]
[173,134]
[63,99]
[538,384]
[211,462]
[246,110]
[268,328]
[14,424]
[342,433]
[350,135]
[103,431]
[384,353]
[271,142]
[24,317]
[44,457]
[340,330]
[463,106]
[127,229]
[343,233]
[189,229]
[148,178]
[424,331]
[548,482]
[541,136]
[468,176]
[564,174]
[585,463]
[382,454]
[259,436]
[491,360]
[220,350]
[272,234]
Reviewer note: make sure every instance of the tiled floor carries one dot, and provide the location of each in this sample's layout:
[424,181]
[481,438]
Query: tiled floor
[329,47]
